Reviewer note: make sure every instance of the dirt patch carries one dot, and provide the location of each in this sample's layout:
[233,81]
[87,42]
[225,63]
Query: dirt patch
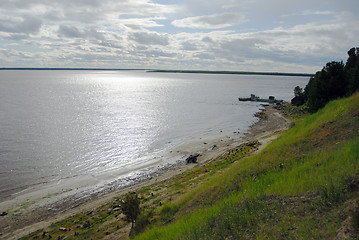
[349,228]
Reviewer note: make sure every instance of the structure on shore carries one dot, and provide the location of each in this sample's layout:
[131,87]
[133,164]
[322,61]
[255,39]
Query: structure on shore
[255,98]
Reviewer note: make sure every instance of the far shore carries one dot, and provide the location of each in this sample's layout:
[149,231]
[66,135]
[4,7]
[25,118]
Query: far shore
[32,214]
[170,71]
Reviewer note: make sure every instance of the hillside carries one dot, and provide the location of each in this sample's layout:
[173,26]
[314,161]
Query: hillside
[303,185]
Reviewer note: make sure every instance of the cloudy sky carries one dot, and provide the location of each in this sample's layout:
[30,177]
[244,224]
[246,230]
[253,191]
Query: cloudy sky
[245,35]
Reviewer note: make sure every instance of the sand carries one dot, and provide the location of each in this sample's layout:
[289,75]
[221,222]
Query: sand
[30,213]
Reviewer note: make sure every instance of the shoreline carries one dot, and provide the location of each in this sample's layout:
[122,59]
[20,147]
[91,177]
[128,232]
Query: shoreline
[163,71]
[32,216]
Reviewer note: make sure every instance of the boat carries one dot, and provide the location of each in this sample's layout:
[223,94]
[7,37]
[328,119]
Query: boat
[254,98]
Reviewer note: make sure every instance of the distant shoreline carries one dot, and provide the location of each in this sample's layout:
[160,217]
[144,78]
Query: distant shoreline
[78,69]
[236,72]
[169,71]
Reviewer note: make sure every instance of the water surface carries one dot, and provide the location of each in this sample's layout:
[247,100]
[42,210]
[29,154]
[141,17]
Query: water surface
[60,125]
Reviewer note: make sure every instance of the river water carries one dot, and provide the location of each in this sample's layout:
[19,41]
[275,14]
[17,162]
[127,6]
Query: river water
[96,127]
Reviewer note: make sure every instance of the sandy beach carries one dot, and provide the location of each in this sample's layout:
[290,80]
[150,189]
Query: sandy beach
[30,212]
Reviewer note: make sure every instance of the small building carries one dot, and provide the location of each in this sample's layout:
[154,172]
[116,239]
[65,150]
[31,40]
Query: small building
[271,99]
[254,97]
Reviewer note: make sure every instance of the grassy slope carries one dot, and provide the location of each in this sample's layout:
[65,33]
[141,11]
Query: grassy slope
[296,188]
[105,224]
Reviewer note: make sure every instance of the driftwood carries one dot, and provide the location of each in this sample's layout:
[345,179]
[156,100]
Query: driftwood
[192,158]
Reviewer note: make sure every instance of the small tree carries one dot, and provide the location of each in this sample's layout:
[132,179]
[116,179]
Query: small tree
[131,208]
[352,70]
[298,92]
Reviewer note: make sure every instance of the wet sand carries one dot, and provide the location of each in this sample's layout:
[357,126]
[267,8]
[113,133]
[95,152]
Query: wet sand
[31,212]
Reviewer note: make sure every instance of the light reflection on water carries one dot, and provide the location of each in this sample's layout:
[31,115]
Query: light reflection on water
[60,124]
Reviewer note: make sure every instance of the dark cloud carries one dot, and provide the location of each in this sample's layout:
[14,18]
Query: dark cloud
[70,32]
[147,38]
[207,39]
[22,25]
[17,37]
[189,45]
[74,32]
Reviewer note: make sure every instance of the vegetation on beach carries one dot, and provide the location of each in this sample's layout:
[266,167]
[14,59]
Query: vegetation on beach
[23,206]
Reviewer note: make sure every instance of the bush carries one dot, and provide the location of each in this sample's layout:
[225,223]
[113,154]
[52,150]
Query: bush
[131,208]
[142,221]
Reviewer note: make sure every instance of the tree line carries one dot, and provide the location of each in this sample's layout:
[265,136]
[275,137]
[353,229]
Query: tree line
[334,81]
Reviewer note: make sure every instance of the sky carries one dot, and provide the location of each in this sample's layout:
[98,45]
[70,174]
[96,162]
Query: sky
[233,35]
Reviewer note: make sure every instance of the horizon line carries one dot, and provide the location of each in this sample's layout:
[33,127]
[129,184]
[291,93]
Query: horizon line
[162,70]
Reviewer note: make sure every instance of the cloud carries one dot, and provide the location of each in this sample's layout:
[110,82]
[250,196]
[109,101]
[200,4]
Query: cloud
[71,32]
[141,23]
[223,35]
[204,6]
[207,39]
[156,53]
[214,21]
[26,24]
[86,11]
[148,38]
[189,46]
[74,32]
[16,36]
[311,44]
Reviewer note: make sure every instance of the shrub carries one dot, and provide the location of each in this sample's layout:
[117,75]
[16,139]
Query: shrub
[131,208]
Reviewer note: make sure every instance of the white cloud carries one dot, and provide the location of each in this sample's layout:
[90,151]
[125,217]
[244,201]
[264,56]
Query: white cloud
[147,38]
[141,23]
[214,21]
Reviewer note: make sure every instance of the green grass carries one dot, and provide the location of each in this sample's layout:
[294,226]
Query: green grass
[309,173]
[22,207]
[102,223]
[295,188]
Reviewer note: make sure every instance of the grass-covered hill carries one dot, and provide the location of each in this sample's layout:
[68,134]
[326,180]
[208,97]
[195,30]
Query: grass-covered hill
[304,185]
